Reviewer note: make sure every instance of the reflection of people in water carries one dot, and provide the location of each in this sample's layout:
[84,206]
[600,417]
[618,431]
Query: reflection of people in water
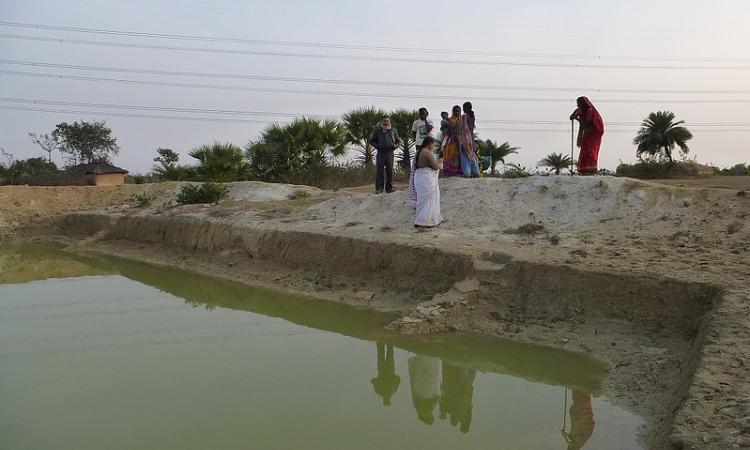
[581,421]
[424,375]
[457,392]
[386,383]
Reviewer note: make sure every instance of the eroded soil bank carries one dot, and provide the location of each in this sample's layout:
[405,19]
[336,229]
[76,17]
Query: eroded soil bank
[649,278]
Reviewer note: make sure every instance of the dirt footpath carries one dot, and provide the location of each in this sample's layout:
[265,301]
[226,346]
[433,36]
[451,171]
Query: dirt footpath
[658,244]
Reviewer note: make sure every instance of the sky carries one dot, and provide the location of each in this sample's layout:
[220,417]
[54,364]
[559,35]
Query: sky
[522,64]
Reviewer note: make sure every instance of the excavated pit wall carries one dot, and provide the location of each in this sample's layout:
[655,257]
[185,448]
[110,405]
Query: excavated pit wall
[373,262]
[519,291]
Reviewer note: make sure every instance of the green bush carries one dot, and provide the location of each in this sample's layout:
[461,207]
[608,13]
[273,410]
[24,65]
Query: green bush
[202,193]
[654,168]
[516,171]
[135,179]
[140,200]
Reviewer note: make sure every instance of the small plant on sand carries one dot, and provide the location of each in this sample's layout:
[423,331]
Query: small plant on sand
[516,171]
[202,193]
[140,200]
[527,229]
[298,193]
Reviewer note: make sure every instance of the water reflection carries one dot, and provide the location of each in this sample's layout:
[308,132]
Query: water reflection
[457,390]
[424,379]
[449,388]
[581,421]
[386,383]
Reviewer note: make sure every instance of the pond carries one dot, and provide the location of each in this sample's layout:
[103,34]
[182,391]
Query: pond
[104,353]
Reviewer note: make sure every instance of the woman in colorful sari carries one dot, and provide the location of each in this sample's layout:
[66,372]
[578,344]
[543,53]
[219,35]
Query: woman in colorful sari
[590,134]
[451,150]
[467,143]
[426,184]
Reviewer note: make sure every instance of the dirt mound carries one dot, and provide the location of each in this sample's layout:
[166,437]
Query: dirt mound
[560,204]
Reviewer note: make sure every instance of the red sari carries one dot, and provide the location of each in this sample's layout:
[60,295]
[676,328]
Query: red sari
[589,139]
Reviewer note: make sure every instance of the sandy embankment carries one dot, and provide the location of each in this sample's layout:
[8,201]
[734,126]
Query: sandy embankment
[627,271]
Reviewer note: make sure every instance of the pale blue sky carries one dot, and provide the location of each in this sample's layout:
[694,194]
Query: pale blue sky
[675,29]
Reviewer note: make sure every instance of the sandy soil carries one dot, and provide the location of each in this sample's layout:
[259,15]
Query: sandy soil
[28,206]
[736,183]
[618,226]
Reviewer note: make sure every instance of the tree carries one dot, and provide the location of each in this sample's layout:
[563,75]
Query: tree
[48,143]
[402,120]
[13,169]
[317,141]
[220,162]
[37,165]
[359,125]
[498,153]
[168,169]
[86,142]
[297,151]
[659,134]
[6,168]
[273,157]
[557,162]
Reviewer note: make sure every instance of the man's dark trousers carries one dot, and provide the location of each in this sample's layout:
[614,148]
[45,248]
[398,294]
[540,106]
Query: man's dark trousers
[384,164]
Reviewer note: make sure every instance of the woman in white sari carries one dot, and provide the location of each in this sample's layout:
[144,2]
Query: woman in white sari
[426,184]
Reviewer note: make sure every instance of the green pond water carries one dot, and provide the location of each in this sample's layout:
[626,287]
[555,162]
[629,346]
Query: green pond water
[103,353]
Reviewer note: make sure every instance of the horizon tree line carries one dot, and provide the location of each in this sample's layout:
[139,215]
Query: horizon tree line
[302,150]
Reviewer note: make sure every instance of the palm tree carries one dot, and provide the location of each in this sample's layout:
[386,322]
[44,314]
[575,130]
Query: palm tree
[296,151]
[359,125]
[557,162]
[402,120]
[660,133]
[498,153]
[220,162]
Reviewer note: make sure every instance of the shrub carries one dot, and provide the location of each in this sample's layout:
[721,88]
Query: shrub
[201,193]
[516,171]
[654,168]
[140,200]
[135,179]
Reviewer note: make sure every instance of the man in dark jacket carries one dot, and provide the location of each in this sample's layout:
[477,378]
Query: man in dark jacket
[385,139]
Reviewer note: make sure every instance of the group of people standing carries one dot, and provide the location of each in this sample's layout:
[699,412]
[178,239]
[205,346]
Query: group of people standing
[458,143]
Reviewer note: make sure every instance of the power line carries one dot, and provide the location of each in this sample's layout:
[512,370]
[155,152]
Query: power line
[380,48]
[225,120]
[153,108]
[372,58]
[133,115]
[34,102]
[452,98]
[363,82]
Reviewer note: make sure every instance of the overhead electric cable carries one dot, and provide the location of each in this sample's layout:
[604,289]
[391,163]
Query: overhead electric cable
[367,47]
[374,58]
[309,80]
[376,94]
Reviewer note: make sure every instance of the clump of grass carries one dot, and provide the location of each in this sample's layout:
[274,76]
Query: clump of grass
[140,200]
[299,193]
[527,229]
[202,193]
[516,171]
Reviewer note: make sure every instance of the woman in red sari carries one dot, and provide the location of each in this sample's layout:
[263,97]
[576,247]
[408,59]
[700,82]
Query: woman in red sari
[590,134]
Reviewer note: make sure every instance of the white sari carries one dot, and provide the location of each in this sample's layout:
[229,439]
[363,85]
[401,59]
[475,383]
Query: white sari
[428,197]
